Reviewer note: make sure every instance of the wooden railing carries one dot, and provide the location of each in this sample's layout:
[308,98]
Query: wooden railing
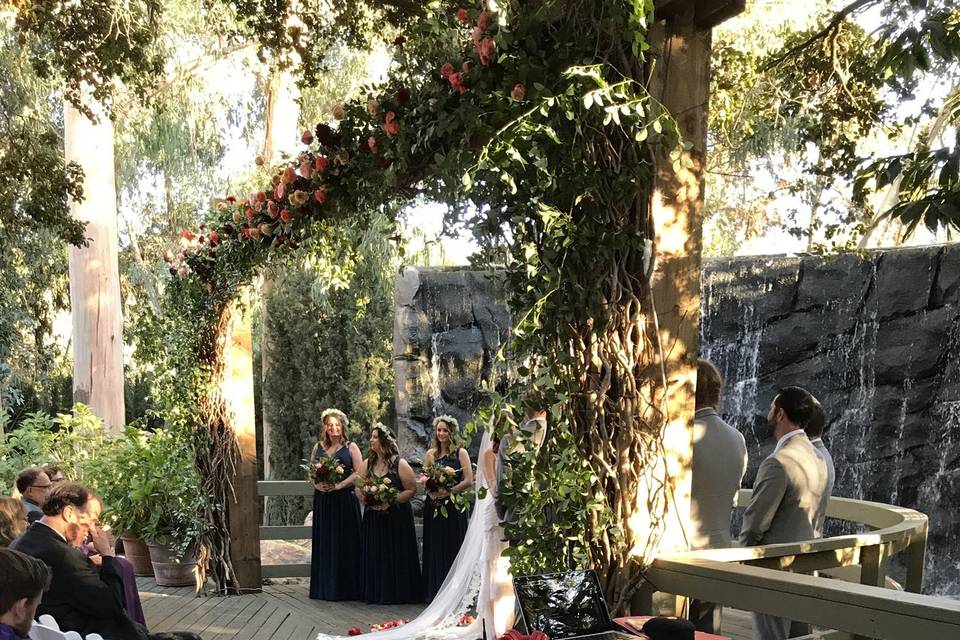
[773,578]
[270,488]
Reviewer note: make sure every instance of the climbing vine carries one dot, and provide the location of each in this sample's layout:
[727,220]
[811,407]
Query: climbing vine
[534,124]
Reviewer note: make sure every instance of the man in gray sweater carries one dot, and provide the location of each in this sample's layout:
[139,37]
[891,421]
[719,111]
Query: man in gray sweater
[719,462]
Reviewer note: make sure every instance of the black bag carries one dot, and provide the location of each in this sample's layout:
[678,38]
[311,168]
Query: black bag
[661,628]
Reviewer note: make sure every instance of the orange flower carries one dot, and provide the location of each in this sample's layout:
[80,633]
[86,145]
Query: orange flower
[289,175]
[390,124]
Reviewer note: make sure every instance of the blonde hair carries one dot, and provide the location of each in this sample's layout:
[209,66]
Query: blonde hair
[453,426]
[12,516]
[344,423]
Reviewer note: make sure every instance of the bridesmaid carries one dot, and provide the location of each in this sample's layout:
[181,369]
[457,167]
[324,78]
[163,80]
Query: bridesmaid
[443,534]
[334,568]
[388,556]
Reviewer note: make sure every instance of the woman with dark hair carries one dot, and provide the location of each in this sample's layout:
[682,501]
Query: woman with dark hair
[334,561]
[13,520]
[444,525]
[388,552]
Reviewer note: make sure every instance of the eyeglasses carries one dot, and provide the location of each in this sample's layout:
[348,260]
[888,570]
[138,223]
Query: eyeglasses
[41,486]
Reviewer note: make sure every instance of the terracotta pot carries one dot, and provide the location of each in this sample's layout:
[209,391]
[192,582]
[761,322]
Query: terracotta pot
[169,572]
[135,550]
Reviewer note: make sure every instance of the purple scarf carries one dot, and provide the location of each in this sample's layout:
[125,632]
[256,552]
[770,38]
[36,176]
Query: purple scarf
[7,633]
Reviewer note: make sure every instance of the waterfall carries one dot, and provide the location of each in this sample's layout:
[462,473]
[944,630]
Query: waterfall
[436,397]
[898,446]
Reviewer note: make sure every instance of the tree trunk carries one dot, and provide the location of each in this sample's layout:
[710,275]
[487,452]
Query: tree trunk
[94,271]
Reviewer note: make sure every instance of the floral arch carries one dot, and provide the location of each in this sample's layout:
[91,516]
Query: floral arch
[543,115]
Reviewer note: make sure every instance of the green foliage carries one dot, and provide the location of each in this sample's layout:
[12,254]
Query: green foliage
[70,440]
[150,487]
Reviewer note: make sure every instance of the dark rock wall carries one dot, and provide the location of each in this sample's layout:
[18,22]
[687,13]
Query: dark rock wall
[450,324]
[877,339]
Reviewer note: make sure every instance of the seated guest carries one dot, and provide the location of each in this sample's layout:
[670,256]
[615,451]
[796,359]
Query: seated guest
[33,485]
[13,520]
[82,597]
[54,473]
[24,581]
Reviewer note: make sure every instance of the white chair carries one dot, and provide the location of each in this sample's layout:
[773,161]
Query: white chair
[47,620]
[43,632]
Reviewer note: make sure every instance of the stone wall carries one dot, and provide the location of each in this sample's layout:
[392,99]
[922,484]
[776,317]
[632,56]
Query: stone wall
[877,339]
[450,324]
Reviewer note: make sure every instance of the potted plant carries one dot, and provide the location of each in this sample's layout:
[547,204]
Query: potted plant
[115,472]
[153,493]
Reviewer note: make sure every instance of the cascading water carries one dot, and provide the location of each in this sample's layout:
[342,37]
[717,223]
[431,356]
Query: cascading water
[436,397]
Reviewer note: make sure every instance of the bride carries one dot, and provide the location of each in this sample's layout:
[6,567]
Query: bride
[479,577]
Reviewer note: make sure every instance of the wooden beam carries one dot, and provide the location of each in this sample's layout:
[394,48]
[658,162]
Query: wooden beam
[706,13]
[244,512]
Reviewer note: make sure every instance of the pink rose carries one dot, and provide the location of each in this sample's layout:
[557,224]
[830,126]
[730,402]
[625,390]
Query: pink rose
[279,191]
[486,49]
[519,92]
[306,170]
[306,137]
[320,196]
[446,70]
[456,81]
[272,209]
[320,164]
[250,215]
[284,216]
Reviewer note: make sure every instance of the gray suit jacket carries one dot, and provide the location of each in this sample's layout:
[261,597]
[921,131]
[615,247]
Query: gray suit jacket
[831,479]
[719,462]
[33,510]
[787,495]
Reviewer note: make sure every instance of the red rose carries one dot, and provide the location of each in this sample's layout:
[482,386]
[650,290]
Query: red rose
[463,15]
[214,238]
[372,144]
[285,216]
[486,49]
[249,214]
[446,70]
[399,40]
[320,164]
[306,137]
[403,95]
[519,92]
[483,21]
[354,631]
[320,196]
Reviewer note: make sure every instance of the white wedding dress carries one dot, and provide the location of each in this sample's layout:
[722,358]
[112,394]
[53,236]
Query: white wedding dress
[478,578]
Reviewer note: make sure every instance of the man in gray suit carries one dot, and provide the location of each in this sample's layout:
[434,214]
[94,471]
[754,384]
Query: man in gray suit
[814,430]
[787,492]
[719,462]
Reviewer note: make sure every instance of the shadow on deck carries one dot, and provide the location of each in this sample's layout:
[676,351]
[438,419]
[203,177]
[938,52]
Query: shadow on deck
[280,612]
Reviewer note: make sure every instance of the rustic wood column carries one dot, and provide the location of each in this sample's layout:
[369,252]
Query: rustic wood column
[95,305]
[244,513]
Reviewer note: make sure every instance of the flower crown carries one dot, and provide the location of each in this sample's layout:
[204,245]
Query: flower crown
[450,421]
[385,430]
[339,415]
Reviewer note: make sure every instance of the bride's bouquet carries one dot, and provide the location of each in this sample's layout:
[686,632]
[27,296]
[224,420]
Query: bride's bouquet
[326,469]
[376,492]
[436,477]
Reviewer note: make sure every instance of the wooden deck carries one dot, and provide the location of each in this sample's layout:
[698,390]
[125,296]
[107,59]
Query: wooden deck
[282,611]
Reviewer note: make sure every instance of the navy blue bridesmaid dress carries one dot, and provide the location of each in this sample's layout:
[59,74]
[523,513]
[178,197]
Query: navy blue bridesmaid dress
[388,558]
[442,535]
[335,556]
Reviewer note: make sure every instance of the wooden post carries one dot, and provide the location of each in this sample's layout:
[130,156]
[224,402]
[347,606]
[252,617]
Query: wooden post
[681,82]
[916,556]
[873,565]
[238,396]
[95,303]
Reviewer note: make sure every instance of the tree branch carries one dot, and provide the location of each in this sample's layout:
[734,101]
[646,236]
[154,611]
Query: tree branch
[831,26]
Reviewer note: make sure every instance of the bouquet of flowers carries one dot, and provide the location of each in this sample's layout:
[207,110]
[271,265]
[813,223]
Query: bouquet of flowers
[326,469]
[376,491]
[436,477]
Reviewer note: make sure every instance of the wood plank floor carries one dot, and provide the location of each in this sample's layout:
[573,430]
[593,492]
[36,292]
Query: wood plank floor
[282,611]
